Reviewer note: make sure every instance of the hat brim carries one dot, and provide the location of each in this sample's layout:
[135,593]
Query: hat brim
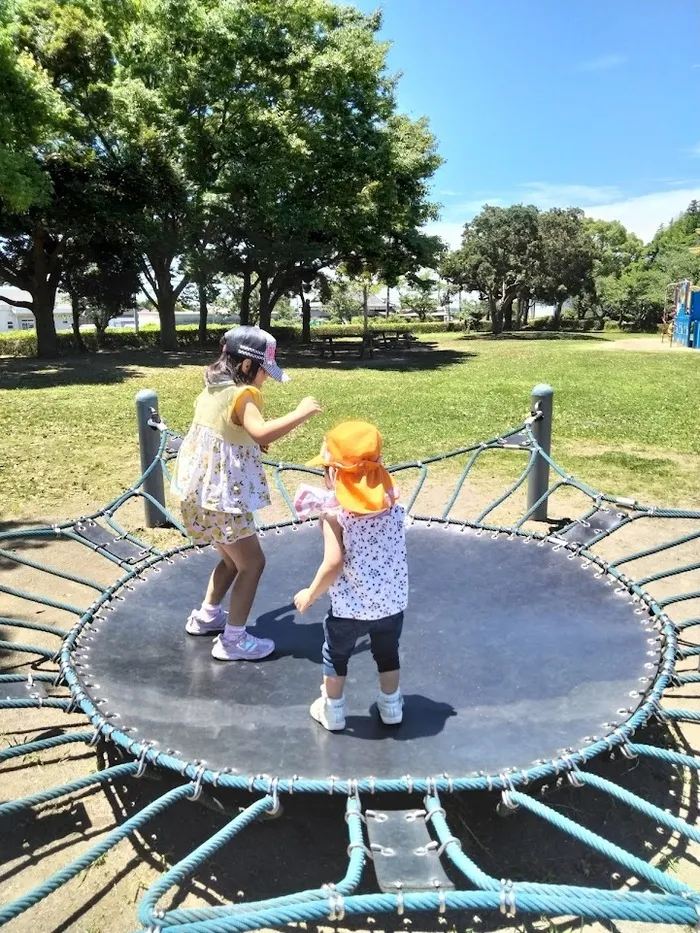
[318,461]
[273,370]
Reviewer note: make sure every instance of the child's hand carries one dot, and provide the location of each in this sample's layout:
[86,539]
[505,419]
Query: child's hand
[303,600]
[308,407]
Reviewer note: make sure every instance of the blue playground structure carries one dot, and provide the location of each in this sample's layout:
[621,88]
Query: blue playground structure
[686,303]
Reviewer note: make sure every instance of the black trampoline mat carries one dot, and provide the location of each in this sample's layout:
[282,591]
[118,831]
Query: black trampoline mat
[511,653]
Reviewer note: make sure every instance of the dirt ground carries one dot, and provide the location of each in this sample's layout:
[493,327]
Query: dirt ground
[643,344]
[306,846]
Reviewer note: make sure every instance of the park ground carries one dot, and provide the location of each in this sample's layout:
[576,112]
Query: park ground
[625,422]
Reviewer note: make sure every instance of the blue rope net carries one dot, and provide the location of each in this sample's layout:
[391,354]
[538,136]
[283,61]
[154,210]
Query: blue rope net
[658,897]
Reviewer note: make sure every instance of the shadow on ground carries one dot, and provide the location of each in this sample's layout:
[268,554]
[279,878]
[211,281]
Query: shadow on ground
[418,358]
[529,335]
[11,539]
[113,368]
[306,846]
[107,368]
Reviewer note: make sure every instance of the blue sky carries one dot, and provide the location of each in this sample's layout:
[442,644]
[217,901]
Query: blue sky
[554,102]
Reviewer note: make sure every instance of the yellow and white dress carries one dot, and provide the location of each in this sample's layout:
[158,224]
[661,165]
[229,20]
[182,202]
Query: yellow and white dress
[219,476]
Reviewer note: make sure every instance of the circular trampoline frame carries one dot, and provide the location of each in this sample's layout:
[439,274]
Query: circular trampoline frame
[618,736]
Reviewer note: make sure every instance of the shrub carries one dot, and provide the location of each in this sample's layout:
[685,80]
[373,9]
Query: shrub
[23,343]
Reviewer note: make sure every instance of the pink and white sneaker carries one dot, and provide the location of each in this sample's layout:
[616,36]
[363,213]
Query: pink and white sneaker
[198,624]
[241,647]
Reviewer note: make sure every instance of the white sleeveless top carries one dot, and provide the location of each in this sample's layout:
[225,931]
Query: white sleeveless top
[374,581]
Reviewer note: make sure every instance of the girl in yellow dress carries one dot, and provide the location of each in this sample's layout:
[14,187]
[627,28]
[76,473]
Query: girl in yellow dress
[220,481]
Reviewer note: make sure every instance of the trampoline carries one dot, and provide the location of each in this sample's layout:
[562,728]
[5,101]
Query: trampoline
[523,655]
[527,655]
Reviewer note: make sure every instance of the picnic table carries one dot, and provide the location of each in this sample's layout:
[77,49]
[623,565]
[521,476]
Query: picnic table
[377,338]
[396,336]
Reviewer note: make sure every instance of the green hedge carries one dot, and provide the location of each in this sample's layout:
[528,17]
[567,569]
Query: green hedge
[23,343]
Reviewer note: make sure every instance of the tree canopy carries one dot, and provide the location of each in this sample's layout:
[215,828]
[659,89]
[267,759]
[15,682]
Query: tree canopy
[262,140]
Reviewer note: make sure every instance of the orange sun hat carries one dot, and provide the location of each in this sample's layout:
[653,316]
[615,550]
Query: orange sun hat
[353,451]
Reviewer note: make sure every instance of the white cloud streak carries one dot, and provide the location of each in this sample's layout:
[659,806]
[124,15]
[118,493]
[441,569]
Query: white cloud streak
[642,214]
[603,63]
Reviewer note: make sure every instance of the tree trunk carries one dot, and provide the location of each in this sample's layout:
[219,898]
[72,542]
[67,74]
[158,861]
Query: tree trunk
[244,310]
[496,315]
[557,313]
[203,312]
[46,340]
[100,328]
[166,313]
[43,291]
[305,317]
[265,303]
[522,312]
[76,305]
[387,301]
[365,309]
[507,311]
[166,297]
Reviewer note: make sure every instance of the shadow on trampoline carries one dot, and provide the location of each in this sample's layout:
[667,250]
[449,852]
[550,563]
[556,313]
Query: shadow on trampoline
[518,846]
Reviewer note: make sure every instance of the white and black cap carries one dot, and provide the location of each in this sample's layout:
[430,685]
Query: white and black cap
[252,343]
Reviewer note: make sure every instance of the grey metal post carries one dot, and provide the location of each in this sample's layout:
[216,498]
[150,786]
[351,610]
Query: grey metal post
[149,442]
[538,481]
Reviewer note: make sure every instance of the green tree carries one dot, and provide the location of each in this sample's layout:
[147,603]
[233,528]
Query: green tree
[568,254]
[615,247]
[500,256]
[28,114]
[420,298]
[102,280]
[339,300]
[325,170]
[88,185]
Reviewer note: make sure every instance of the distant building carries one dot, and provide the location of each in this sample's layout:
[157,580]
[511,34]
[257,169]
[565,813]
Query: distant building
[13,318]
[376,306]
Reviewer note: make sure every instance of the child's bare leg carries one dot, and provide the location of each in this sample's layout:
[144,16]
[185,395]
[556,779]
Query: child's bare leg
[221,579]
[389,681]
[236,643]
[333,687]
[247,557]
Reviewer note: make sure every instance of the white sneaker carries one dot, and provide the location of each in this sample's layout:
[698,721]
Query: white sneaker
[330,713]
[390,706]
[244,647]
[198,625]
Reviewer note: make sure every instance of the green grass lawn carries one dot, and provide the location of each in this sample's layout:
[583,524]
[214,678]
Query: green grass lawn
[625,421]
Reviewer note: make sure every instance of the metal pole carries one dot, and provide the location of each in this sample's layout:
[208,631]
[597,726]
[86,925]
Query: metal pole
[149,442]
[538,481]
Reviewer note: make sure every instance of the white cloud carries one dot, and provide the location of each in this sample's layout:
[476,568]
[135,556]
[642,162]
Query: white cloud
[603,62]
[451,233]
[645,214]
[545,195]
[475,205]
[642,214]
[695,151]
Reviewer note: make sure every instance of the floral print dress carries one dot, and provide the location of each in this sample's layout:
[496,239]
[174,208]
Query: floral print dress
[219,476]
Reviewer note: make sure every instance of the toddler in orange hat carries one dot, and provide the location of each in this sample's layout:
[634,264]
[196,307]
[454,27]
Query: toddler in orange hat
[364,568]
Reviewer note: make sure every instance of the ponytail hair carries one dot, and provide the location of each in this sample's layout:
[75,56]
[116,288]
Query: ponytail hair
[229,368]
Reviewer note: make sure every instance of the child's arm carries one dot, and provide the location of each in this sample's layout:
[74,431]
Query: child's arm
[265,432]
[331,565]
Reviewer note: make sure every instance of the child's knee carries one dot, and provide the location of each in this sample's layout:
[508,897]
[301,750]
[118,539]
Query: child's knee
[259,563]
